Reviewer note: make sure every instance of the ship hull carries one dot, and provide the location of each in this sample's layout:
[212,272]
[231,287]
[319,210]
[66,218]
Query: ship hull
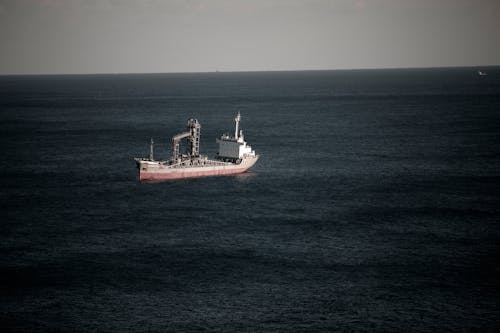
[157,171]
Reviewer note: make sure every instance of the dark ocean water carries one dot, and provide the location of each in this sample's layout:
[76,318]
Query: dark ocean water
[374,206]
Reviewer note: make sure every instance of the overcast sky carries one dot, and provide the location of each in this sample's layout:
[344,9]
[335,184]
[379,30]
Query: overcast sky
[133,36]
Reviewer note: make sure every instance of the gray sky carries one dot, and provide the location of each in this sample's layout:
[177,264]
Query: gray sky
[133,36]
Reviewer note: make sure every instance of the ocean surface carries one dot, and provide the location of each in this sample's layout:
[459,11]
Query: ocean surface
[374,206]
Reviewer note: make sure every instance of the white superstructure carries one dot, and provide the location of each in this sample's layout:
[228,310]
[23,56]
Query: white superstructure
[234,148]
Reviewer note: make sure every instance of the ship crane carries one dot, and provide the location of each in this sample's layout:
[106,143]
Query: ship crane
[193,135]
[175,143]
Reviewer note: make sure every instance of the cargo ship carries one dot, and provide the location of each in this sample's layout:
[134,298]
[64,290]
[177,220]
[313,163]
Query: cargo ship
[234,156]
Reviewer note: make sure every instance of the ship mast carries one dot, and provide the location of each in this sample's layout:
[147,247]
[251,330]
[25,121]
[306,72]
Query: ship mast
[151,150]
[237,120]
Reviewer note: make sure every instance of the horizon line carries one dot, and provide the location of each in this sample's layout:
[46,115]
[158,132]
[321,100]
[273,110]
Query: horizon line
[249,71]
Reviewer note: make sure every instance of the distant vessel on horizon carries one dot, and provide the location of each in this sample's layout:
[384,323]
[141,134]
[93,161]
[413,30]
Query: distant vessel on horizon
[234,156]
[481,73]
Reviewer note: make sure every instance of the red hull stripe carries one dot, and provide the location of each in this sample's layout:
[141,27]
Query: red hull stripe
[144,175]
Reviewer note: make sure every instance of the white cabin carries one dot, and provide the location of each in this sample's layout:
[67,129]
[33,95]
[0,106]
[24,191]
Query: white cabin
[234,148]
